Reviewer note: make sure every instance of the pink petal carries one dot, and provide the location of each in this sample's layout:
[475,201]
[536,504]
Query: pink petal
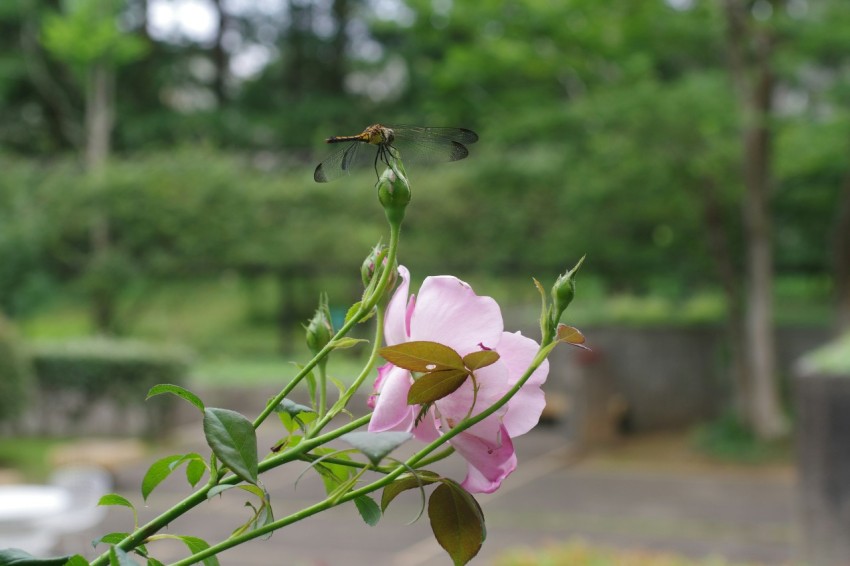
[391,409]
[492,385]
[379,383]
[395,321]
[449,312]
[426,431]
[524,408]
[490,460]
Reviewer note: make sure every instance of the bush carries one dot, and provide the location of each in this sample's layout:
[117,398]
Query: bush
[75,375]
[15,373]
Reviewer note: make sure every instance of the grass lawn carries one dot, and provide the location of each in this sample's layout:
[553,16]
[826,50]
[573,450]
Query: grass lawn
[28,456]
[581,554]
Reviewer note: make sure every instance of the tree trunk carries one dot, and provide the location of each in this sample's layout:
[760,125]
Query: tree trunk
[750,53]
[220,57]
[99,115]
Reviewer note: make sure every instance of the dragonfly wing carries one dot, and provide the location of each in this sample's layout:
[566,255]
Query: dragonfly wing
[432,145]
[341,162]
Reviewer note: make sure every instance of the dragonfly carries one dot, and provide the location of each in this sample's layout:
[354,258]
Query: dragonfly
[416,144]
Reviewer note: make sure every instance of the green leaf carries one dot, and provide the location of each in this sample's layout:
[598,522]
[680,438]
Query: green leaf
[176,390]
[368,509]
[154,562]
[115,499]
[158,471]
[195,471]
[422,356]
[352,311]
[215,490]
[233,439]
[77,560]
[376,445]
[435,385]
[406,482]
[347,342]
[294,415]
[118,557]
[17,557]
[196,545]
[111,538]
[482,359]
[457,522]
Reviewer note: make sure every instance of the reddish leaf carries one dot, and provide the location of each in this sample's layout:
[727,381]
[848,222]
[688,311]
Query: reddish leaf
[422,356]
[457,522]
[478,360]
[572,336]
[435,385]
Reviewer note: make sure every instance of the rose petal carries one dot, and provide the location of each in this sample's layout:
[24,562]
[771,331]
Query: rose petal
[492,385]
[524,408]
[395,321]
[449,312]
[427,431]
[490,461]
[391,409]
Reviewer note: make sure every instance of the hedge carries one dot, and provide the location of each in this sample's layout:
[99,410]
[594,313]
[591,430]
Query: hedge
[74,375]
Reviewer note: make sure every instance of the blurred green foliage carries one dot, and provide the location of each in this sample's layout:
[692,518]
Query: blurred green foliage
[16,372]
[607,128]
[832,358]
[578,553]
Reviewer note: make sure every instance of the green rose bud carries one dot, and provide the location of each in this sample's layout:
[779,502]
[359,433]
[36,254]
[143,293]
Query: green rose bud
[563,292]
[394,195]
[319,330]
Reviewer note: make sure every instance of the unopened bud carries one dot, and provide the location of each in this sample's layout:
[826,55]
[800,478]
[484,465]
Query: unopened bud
[319,330]
[563,292]
[394,195]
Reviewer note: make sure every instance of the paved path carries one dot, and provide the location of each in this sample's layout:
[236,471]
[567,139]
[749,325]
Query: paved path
[552,497]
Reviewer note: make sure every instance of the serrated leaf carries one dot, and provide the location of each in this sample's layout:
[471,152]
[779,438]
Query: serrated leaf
[347,342]
[195,545]
[77,560]
[457,522]
[435,385]
[404,483]
[481,359]
[368,509]
[376,445]
[17,557]
[115,499]
[157,472]
[176,390]
[233,440]
[422,356]
[572,336]
[110,538]
[118,557]
[352,311]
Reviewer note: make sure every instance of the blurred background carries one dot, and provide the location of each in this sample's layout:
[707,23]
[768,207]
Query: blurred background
[158,215]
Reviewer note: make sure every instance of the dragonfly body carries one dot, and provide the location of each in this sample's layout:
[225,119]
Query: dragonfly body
[375,134]
[414,143]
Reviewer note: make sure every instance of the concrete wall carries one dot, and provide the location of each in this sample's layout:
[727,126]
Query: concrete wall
[667,377]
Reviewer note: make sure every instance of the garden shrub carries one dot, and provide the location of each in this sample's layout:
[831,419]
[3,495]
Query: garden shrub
[73,375]
[15,373]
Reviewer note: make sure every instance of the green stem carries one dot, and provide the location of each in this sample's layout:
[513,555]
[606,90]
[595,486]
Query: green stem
[417,458]
[142,533]
[366,372]
[365,308]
